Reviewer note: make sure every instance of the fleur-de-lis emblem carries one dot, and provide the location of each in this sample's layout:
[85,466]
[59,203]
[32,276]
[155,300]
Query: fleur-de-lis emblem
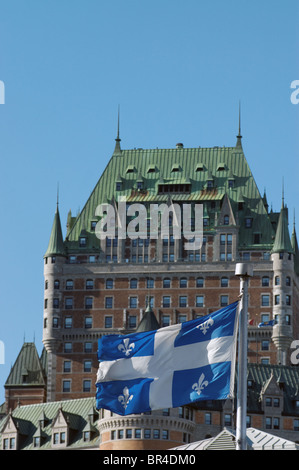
[125,347]
[206,325]
[125,398]
[200,385]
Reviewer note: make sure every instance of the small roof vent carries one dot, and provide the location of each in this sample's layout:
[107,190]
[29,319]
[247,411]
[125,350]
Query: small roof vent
[179,145]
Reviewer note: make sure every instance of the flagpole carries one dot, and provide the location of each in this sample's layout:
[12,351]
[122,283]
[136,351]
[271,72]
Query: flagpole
[243,271]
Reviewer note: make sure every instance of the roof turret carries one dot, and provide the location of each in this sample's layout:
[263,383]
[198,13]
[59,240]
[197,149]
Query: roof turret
[282,243]
[56,245]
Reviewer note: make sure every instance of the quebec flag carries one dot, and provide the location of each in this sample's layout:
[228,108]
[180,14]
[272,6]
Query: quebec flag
[168,367]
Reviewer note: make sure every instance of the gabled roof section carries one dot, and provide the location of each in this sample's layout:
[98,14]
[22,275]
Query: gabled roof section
[56,245]
[77,412]
[27,369]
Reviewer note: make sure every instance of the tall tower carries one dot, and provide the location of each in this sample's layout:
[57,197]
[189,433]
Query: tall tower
[283,273]
[54,259]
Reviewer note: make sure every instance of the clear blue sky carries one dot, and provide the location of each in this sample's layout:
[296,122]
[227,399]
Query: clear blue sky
[177,68]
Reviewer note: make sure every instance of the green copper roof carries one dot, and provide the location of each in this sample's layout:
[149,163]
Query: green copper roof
[149,321]
[38,420]
[282,241]
[56,245]
[27,369]
[294,244]
[180,166]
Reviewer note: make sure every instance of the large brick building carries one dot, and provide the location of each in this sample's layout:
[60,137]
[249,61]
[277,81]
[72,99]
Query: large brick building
[97,286]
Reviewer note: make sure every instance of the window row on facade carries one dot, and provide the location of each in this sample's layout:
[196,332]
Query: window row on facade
[87,386]
[225,254]
[271,422]
[166,302]
[167,282]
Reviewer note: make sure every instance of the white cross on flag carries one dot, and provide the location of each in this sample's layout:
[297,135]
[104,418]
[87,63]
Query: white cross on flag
[169,367]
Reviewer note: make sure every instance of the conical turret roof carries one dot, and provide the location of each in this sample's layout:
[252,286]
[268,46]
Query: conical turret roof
[56,245]
[282,241]
[149,321]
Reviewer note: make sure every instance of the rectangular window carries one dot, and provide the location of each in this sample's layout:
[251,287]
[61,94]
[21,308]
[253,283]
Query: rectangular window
[265,300]
[68,347]
[88,322]
[67,366]
[166,301]
[88,347]
[68,303]
[199,300]
[108,322]
[208,418]
[165,320]
[87,365]
[109,302]
[69,284]
[224,300]
[68,322]
[86,385]
[133,302]
[132,321]
[66,386]
[183,301]
[88,302]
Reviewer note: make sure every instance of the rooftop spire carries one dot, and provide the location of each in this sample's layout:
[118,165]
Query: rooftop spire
[56,245]
[117,149]
[282,241]
[239,136]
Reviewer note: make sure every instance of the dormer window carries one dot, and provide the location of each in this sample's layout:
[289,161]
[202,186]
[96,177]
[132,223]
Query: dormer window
[175,168]
[60,430]
[152,169]
[82,241]
[248,222]
[130,169]
[199,167]
[221,167]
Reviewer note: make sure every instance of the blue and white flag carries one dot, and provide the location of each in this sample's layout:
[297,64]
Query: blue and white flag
[168,367]
[266,323]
